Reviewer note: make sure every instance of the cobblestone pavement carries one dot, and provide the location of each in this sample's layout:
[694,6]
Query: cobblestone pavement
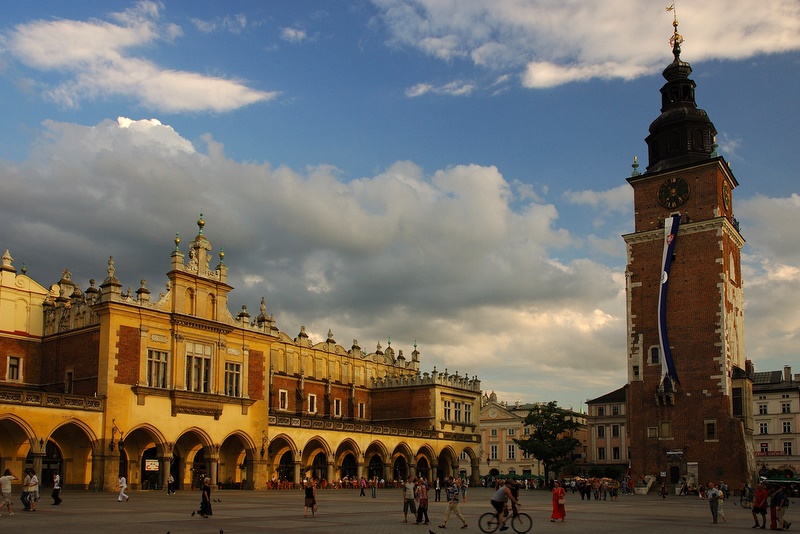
[343,511]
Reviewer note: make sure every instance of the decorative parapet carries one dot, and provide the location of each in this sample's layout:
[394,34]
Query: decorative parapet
[295,421]
[428,379]
[29,398]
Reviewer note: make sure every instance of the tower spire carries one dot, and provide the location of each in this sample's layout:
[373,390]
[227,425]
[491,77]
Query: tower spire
[683,133]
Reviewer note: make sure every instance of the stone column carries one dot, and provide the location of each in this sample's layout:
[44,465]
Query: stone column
[297,477]
[164,461]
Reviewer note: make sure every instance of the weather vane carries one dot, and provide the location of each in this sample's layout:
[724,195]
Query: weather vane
[676,39]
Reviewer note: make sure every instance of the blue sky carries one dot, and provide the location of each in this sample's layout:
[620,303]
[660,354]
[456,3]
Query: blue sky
[450,173]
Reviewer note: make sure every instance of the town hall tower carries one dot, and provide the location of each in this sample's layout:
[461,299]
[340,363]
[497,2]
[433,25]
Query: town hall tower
[690,384]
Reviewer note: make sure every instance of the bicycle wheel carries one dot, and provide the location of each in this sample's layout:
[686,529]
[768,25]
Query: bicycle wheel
[747,503]
[488,522]
[521,523]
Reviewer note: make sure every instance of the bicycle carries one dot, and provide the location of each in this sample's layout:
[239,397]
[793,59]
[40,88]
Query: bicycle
[520,522]
[746,500]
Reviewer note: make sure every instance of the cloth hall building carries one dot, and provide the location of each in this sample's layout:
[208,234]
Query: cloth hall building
[104,381]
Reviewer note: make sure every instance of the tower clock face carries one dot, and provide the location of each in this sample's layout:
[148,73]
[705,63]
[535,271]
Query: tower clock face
[673,192]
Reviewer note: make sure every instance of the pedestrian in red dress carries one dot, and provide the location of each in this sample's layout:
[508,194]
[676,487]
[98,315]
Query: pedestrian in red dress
[559,512]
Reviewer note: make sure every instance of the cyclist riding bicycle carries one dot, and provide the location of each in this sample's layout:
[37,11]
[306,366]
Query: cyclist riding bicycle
[499,500]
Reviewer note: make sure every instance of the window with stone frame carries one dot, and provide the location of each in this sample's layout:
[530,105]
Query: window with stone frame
[14,369]
[157,361]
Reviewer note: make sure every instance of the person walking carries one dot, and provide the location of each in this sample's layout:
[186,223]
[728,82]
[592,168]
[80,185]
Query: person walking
[464,487]
[170,484]
[374,487]
[437,490]
[363,485]
[123,484]
[25,496]
[409,499]
[56,495]
[559,508]
[452,492]
[781,501]
[713,501]
[33,491]
[663,491]
[760,506]
[310,498]
[421,494]
[205,499]
[5,489]
[721,507]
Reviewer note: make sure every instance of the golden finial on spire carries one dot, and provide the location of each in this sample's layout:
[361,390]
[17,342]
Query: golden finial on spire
[676,38]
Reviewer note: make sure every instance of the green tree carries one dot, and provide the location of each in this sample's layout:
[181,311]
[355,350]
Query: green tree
[551,440]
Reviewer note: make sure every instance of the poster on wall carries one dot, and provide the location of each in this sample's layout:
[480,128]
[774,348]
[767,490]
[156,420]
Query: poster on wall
[151,465]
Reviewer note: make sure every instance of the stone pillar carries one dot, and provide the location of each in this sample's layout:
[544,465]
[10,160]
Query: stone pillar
[412,471]
[37,463]
[297,477]
[360,470]
[329,473]
[213,466]
[387,467]
[164,462]
[475,477]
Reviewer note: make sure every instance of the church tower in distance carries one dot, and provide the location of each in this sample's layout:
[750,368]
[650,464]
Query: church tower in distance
[690,384]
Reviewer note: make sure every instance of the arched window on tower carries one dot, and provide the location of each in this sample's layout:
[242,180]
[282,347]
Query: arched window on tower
[673,142]
[698,140]
[189,304]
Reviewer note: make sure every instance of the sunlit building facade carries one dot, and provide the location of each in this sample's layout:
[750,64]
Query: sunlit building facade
[106,381]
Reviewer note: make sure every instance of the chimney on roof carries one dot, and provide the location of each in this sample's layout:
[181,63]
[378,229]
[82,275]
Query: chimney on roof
[787,373]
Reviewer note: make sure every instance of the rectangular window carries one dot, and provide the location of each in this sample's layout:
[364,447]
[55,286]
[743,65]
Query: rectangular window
[738,402]
[458,412]
[233,379]
[69,378]
[787,448]
[665,431]
[468,413]
[198,367]
[601,411]
[786,407]
[652,431]
[283,399]
[511,431]
[765,447]
[615,431]
[463,456]
[156,369]
[493,452]
[14,369]
[312,403]
[615,453]
[447,411]
[601,453]
[362,411]
[337,407]
[787,427]
[763,428]
[635,371]
[615,410]
[512,452]
[762,409]
[526,431]
[601,431]
[711,430]
[654,355]
[493,432]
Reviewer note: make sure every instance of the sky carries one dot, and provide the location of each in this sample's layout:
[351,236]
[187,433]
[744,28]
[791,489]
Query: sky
[445,173]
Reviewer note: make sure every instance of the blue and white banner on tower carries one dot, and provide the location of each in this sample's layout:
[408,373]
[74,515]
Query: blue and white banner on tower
[670,236]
